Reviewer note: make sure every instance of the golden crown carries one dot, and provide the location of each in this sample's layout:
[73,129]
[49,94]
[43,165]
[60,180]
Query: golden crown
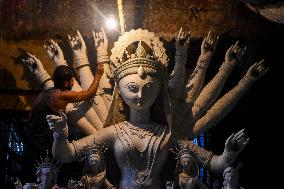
[149,54]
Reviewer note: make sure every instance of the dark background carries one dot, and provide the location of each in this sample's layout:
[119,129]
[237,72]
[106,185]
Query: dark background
[27,24]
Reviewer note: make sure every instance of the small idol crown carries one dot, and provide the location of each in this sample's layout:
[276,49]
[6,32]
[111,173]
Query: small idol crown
[46,163]
[98,149]
[181,149]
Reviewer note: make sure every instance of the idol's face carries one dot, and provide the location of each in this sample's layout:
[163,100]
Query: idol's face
[94,160]
[139,93]
[186,160]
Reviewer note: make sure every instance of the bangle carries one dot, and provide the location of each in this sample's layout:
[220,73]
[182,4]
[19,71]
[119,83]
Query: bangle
[82,58]
[84,65]
[226,67]
[246,81]
[103,62]
[42,84]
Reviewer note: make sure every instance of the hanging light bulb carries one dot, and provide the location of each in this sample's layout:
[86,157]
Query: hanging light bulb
[111,22]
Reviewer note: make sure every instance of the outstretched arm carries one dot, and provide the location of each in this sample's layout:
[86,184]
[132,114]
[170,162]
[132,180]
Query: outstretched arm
[195,82]
[72,96]
[176,84]
[225,104]
[211,91]
[79,48]
[77,113]
[65,151]
[233,146]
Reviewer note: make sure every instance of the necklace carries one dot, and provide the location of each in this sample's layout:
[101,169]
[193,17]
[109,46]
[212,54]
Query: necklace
[141,133]
[143,173]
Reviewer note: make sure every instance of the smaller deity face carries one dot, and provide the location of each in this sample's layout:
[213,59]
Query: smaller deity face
[47,176]
[231,177]
[94,160]
[139,93]
[186,160]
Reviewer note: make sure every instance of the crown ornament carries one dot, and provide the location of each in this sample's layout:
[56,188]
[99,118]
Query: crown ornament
[47,163]
[181,149]
[149,57]
[98,149]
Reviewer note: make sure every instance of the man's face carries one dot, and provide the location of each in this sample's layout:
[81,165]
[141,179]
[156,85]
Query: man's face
[69,84]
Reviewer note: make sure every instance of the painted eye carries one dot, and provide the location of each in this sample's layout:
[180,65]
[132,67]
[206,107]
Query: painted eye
[133,88]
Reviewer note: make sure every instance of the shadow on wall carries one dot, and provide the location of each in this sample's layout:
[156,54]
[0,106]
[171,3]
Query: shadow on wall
[9,96]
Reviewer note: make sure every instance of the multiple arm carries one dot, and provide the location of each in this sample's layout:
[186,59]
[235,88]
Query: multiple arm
[81,113]
[201,115]
[217,163]
[75,112]
[233,146]
[78,96]
[226,103]
[65,151]
[176,84]
[195,82]
[86,77]
[211,91]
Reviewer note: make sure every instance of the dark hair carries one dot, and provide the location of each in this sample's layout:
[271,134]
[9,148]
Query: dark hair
[61,74]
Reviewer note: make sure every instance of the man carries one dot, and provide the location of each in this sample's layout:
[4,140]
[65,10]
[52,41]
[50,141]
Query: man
[52,101]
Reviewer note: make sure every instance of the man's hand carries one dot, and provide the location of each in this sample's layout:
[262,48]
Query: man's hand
[100,69]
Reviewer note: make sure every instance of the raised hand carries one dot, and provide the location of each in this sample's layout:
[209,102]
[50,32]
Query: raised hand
[33,63]
[55,53]
[58,124]
[101,41]
[234,54]
[257,70]
[78,45]
[182,41]
[236,142]
[208,45]
[101,44]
